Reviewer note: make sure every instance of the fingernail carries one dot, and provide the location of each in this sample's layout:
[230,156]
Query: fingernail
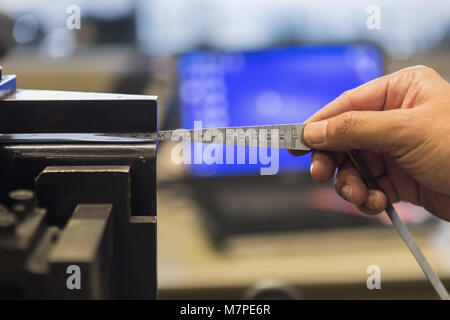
[347,192]
[372,201]
[316,132]
[311,167]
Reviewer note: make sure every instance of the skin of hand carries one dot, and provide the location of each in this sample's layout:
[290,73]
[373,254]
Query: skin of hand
[400,125]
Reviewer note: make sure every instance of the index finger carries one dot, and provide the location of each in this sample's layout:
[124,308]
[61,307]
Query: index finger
[370,96]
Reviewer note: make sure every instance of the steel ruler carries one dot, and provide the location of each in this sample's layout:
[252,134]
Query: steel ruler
[285,136]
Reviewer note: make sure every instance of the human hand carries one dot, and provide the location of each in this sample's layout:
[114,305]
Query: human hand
[401,125]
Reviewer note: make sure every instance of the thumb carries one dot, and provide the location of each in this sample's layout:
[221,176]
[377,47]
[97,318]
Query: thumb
[358,130]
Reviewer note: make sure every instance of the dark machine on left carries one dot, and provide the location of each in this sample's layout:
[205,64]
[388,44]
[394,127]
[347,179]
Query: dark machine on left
[77,211]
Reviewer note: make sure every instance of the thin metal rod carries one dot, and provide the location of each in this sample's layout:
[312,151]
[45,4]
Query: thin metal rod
[401,228]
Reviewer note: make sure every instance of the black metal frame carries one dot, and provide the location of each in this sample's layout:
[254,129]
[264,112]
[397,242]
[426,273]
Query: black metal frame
[96,202]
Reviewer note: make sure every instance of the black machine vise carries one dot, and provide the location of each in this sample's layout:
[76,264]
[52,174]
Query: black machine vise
[77,218]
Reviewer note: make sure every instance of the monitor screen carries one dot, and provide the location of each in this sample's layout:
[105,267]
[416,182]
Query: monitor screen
[273,86]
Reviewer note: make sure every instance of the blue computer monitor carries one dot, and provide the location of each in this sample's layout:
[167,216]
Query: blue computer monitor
[273,86]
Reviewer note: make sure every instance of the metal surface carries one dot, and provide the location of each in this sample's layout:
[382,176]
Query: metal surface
[46,111]
[115,250]
[20,164]
[7,85]
[286,136]
[86,242]
[66,175]
[100,196]
[402,229]
[275,136]
[128,258]
[23,271]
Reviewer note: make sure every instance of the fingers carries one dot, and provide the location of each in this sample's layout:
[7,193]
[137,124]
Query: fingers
[375,202]
[348,182]
[369,96]
[384,93]
[322,166]
[373,117]
[298,153]
[358,130]
[350,186]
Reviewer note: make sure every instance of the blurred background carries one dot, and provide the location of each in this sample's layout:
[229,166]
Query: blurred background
[224,230]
